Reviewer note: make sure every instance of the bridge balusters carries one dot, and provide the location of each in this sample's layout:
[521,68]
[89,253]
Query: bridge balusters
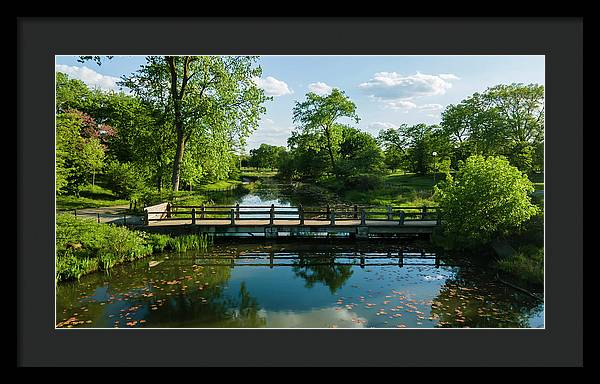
[193,216]
[355,211]
[332,218]
[202,212]
[272,214]
[232,216]
[301,214]
[363,217]
[237,211]
[402,215]
[389,213]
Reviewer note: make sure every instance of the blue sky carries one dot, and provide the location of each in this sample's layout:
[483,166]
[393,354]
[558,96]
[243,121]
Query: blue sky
[387,90]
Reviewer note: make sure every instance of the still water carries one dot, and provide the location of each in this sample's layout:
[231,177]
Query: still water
[313,284]
[297,283]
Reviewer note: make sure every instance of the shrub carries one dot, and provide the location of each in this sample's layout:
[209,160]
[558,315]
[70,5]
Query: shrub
[488,198]
[363,181]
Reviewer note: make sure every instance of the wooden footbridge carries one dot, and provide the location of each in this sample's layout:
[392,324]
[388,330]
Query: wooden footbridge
[273,221]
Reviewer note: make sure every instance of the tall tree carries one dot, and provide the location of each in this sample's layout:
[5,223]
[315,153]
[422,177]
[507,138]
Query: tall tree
[320,113]
[206,94]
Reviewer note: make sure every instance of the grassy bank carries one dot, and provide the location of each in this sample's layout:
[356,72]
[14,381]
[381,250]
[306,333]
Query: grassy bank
[526,264]
[393,189]
[89,197]
[84,246]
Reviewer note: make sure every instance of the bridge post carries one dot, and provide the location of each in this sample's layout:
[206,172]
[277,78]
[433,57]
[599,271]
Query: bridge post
[232,216]
[402,214]
[355,211]
[301,214]
[146,218]
[272,214]
[332,218]
[328,210]
[400,259]
[202,212]
[98,217]
[437,260]
[363,217]
[237,211]
[423,212]
[193,216]
[362,261]
[389,213]
[168,210]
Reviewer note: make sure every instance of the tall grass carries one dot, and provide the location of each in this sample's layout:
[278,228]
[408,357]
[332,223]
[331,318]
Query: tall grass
[198,242]
[527,264]
[84,246]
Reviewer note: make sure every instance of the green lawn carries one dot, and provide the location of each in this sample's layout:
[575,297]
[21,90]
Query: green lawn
[397,189]
[89,197]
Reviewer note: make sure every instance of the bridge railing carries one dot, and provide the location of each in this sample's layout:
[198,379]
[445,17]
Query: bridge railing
[327,214]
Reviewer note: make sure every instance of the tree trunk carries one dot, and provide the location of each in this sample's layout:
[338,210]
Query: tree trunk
[178,160]
[330,149]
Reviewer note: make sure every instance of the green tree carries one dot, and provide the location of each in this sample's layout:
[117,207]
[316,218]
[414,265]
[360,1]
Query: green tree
[78,155]
[266,156]
[359,153]
[204,91]
[320,114]
[487,198]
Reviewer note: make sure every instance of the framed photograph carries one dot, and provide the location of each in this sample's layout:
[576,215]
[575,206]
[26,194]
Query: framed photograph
[280,189]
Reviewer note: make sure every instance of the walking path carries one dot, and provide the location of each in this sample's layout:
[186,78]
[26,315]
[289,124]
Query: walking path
[113,215]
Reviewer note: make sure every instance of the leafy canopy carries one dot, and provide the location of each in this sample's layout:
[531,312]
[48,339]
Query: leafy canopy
[488,197]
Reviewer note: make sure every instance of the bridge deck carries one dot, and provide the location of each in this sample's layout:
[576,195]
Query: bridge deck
[293,222]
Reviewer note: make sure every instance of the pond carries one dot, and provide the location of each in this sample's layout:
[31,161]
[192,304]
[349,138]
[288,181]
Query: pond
[298,283]
[316,284]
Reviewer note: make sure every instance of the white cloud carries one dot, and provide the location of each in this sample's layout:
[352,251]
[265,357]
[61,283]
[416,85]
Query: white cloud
[272,86]
[270,133]
[320,88]
[90,77]
[378,126]
[448,76]
[400,104]
[394,86]
[431,107]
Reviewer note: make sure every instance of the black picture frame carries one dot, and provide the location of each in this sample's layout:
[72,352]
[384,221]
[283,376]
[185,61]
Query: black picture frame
[559,344]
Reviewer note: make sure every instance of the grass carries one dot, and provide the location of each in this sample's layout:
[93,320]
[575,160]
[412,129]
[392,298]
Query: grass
[84,246]
[526,264]
[89,197]
[396,189]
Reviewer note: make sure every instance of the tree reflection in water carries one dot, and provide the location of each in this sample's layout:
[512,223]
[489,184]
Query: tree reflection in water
[474,299]
[322,269]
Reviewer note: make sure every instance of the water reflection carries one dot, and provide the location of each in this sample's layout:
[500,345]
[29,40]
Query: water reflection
[315,284]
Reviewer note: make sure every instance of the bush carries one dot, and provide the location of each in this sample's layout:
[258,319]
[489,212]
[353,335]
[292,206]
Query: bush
[487,199]
[125,180]
[363,182]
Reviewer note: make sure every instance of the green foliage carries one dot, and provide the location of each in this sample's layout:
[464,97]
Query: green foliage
[78,158]
[190,242]
[266,156]
[359,154]
[527,264]
[487,198]
[84,246]
[318,116]
[505,120]
[126,180]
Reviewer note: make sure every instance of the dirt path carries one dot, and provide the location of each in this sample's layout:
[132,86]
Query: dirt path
[114,215]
